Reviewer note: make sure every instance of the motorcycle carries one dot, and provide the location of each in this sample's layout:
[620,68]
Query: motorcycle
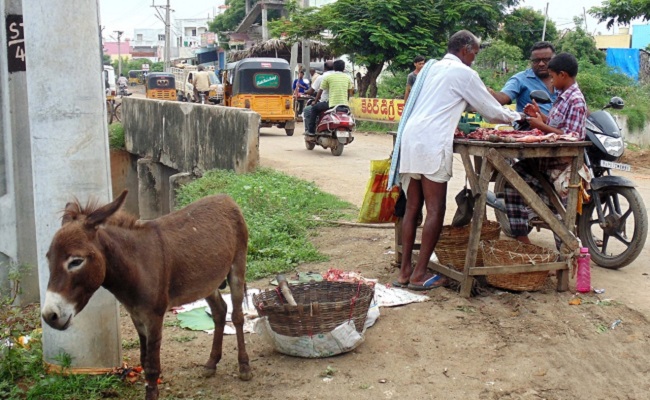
[614,223]
[333,130]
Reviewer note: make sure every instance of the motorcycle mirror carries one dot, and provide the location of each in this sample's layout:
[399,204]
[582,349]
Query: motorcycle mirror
[616,103]
[540,96]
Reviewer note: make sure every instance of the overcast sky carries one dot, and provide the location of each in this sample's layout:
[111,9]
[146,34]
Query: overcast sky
[126,15]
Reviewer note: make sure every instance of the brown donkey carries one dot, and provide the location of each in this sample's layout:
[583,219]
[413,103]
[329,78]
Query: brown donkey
[151,266]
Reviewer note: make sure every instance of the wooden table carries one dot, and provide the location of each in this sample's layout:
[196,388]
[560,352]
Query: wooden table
[494,156]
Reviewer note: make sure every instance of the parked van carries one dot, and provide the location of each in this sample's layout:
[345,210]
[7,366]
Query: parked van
[109,81]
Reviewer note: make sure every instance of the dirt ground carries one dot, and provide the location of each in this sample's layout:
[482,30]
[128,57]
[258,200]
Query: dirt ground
[500,345]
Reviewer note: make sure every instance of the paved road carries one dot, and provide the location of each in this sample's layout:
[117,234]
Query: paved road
[346,177]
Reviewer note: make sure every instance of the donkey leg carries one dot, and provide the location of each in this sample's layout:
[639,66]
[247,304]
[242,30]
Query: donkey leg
[143,340]
[152,358]
[238,292]
[219,309]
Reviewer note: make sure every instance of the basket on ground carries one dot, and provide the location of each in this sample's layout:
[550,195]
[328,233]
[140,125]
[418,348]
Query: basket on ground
[512,252]
[451,248]
[322,306]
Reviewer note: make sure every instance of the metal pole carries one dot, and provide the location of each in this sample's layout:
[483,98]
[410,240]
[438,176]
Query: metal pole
[545,19]
[119,52]
[167,39]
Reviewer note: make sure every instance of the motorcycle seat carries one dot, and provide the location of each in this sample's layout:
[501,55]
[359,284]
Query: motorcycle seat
[339,108]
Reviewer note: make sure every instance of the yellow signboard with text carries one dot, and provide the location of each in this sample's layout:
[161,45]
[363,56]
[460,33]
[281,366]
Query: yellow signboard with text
[384,110]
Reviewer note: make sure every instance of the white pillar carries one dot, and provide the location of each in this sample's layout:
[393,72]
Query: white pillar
[265,26]
[69,156]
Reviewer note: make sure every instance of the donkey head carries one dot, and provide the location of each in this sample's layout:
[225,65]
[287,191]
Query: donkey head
[77,264]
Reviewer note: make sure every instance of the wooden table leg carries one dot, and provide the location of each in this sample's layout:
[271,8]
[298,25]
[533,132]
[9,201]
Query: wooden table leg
[475,231]
[570,218]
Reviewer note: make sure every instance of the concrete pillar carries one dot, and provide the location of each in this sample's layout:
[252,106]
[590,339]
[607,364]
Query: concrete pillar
[153,188]
[69,157]
[306,57]
[175,183]
[265,26]
[16,200]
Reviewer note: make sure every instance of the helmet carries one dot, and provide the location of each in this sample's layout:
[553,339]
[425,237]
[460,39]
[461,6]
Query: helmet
[616,103]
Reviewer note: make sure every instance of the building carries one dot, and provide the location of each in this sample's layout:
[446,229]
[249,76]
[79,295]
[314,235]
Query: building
[640,36]
[115,50]
[148,43]
[622,40]
[189,30]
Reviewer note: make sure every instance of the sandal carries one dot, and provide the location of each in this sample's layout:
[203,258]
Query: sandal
[432,283]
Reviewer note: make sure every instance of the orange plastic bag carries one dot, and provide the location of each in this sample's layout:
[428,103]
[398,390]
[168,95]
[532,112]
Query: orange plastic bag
[379,203]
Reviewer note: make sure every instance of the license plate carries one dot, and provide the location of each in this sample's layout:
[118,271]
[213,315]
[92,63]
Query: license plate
[614,165]
[342,134]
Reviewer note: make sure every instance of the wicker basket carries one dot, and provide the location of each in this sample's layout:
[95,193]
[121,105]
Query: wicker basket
[512,252]
[322,306]
[451,248]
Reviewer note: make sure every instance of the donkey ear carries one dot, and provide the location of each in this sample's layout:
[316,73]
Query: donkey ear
[72,209]
[100,215]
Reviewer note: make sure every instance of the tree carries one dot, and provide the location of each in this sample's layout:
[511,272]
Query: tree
[581,44]
[499,54]
[391,31]
[621,11]
[524,26]
[230,18]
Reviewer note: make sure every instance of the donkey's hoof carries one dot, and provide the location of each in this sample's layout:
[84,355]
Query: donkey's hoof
[245,373]
[209,372]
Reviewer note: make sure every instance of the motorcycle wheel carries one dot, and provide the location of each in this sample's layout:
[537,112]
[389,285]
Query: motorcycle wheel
[310,145]
[289,132]
[338,150]
[624,211]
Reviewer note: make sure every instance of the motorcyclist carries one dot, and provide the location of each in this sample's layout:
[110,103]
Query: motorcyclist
[201,83]
[328,68]
[122,83]
[340,89]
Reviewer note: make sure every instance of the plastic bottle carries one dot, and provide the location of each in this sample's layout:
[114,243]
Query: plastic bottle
[583,279]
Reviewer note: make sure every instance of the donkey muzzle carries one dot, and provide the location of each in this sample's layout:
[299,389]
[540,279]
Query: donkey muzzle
[56,311]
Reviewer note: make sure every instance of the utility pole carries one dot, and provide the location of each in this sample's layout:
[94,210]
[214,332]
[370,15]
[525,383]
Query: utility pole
[119,52]
[165,20]
[545,19]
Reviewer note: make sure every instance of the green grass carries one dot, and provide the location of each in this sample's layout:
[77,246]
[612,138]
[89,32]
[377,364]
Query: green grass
[370,126]
[116,136]
[23,376]
[280,212]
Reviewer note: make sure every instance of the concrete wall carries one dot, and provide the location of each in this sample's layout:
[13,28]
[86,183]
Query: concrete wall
[638,137]
[124,175]
[192,138]
[613,41]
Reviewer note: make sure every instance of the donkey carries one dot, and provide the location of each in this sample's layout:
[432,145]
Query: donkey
[151,266]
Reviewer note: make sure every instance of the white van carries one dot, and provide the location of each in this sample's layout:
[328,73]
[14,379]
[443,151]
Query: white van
[109,80]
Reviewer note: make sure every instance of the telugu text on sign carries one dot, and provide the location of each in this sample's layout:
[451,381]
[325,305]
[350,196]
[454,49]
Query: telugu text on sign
[387,110]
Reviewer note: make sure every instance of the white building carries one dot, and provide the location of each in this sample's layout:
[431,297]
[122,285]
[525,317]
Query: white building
[188,31]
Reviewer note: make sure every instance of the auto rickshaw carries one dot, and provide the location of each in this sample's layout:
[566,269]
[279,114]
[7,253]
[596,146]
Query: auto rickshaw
[136,77]
[264,86]
[161,86]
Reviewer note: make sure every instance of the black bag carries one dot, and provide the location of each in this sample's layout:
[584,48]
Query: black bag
[400,205]
[465,210]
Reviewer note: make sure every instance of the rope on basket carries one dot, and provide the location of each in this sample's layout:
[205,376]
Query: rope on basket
[353,300]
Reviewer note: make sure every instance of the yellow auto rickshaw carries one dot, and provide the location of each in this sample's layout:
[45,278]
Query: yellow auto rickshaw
[136,77]
[264,86]
[161,86]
